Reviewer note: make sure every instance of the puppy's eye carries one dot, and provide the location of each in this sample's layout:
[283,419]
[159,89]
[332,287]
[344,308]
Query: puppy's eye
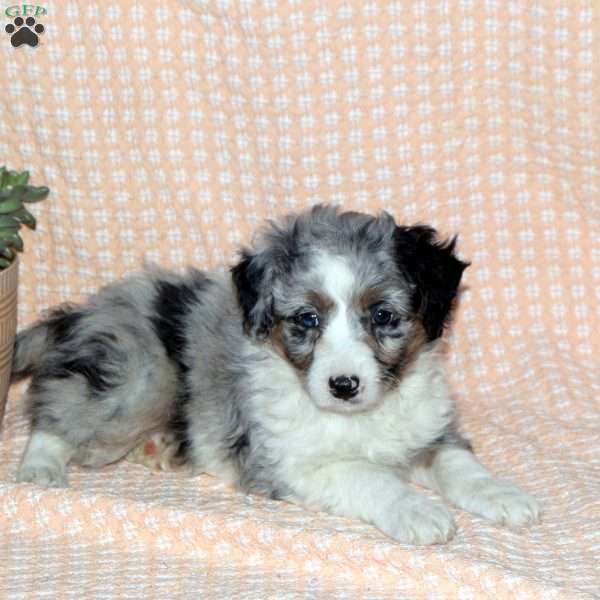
[381,316]
[309,320]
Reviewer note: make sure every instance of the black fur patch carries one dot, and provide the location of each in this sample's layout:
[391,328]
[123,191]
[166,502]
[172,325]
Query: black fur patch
[431,265]
[92,367]
[62,322]
[239,445]
[255,274]
[248,280]
[171,308]
[238,437]
[59,325]
[98,360]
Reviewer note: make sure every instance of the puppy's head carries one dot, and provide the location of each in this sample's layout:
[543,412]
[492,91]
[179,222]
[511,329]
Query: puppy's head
[348,299]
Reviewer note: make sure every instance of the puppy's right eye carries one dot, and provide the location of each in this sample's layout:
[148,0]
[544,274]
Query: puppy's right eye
[310,320]
[380,316]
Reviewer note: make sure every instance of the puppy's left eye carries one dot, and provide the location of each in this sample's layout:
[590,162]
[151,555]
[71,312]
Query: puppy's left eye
[309,320]
[381,316]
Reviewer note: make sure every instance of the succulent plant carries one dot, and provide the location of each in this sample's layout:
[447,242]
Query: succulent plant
[14,194]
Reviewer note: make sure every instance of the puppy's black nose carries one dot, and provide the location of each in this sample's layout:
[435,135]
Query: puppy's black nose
[344,387]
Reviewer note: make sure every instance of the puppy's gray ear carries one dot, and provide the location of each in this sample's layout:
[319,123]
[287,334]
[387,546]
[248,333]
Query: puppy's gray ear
[431,265]
[253,286]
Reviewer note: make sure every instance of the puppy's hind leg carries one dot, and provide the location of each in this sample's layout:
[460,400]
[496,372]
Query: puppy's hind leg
[45,460]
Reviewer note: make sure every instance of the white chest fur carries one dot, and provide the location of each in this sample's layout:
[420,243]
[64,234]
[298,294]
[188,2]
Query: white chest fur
[298,435]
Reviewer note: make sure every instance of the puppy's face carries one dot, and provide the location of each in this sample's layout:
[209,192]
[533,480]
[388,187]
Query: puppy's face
[349,300]
[345,323]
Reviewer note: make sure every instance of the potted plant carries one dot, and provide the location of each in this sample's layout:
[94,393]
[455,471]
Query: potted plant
[14,193]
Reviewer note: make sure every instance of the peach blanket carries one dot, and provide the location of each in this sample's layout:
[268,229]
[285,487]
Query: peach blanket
[168,129]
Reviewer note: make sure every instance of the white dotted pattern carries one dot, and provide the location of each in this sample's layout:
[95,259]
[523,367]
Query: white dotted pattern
[169,130]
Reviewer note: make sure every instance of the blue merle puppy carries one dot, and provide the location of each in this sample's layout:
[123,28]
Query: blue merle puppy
[310,373]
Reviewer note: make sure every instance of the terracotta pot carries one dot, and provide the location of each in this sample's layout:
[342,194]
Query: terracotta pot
[8,326]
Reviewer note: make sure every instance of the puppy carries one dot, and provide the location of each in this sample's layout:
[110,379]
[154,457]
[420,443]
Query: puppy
[310,373]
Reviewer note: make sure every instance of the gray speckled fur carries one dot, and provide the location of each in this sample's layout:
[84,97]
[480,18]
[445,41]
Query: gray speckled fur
[102,424]
[142,385]
[244,369]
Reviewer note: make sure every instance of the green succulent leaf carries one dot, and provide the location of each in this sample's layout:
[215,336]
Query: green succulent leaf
[14,191]
[7,253]
[9,221]
[10,205]
[23,216]
[35,194]
[12,225]
[3,176]
[6,233]
[11,240]
[13,177]
[21,178]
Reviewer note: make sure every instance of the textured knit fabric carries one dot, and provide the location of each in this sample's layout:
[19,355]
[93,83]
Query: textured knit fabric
[168,130]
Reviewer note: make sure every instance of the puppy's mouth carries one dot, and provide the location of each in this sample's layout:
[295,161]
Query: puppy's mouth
[348,408]
[357,403]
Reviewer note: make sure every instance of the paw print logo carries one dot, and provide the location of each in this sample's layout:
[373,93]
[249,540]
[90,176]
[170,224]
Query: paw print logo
[24,32]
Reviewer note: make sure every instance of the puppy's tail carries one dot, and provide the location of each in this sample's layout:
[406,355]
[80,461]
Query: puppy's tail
[33,342]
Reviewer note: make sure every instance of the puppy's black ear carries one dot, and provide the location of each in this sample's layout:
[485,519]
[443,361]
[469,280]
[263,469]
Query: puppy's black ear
[432,267]
[254,295]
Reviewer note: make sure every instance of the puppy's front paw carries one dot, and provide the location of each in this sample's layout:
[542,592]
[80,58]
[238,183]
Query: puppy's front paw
[503,503]
[418,520]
